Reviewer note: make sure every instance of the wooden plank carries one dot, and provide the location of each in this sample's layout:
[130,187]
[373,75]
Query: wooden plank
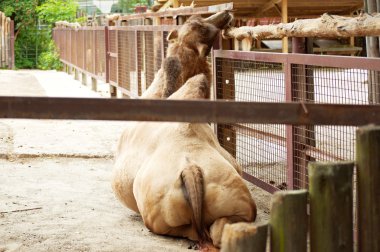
[265,7]
[331,206]
[289,208]
[368,176]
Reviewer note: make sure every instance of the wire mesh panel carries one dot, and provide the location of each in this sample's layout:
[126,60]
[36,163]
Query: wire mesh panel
[88,40]
[80,49]
[74,47]
[127,72]
[327,85]
[100,54]
[260,149]
[148,54]
[113,60]
[158,47]
[68,45]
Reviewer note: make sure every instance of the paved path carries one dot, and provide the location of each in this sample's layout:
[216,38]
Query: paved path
[55,192]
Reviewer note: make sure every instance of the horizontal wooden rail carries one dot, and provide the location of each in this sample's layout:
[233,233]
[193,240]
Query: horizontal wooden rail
[188,111]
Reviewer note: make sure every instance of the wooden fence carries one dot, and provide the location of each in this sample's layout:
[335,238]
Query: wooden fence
[6,42]
[322,218]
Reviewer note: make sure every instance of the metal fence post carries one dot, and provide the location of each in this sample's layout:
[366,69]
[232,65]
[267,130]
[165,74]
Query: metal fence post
[289,130]
[226,90]
[138,62]
[302,89]
[107,50]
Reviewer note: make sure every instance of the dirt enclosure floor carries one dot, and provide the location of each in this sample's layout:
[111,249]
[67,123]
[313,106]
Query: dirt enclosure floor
[55,192]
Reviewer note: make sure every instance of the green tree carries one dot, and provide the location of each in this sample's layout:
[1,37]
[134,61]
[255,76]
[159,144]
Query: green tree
[128,6]
[33,22]
[55,10]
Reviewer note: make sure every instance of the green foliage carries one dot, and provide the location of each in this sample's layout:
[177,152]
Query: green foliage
[23,12]
[33,45]
[49,59]
[115,8]
[55,10]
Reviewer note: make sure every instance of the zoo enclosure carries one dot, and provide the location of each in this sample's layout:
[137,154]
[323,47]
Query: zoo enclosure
[273,157]
[6,42]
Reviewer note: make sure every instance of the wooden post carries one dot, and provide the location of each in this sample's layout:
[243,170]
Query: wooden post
[241,236]
[331,206]
[76,74]
[84,79]
[1,39]
[372,46]
[289,221]
[284,19]
[181,20]
[94,84]
[368,177]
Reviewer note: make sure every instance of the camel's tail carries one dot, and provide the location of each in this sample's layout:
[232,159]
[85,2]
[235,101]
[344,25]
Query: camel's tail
[192,184]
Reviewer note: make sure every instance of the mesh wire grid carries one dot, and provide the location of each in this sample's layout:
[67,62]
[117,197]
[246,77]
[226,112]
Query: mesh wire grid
[260,149]
[127,72]
[112,38]
[327,85]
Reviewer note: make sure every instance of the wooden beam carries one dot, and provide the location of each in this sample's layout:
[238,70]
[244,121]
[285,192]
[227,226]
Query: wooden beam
[284,19]
[265,7]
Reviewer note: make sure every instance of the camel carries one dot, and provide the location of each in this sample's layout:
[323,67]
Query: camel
[176,175]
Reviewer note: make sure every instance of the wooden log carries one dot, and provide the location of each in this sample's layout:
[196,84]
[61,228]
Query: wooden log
[331,209]
[239,237]
[368,177]
[327,26]
[288,221]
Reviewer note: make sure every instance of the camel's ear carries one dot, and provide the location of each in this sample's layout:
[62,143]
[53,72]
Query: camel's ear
[203,49]
[173,34]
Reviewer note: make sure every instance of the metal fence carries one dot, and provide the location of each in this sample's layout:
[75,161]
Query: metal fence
[126,57]
[276,156]
[273,157]
[6,42]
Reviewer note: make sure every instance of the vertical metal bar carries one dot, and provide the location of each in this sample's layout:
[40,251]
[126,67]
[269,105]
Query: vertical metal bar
[117,58]
[289,129]
[94,52]
[12,65]
[137,61]
[162,46]
[107,50]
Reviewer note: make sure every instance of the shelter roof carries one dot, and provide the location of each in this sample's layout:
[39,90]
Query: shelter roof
[296,8]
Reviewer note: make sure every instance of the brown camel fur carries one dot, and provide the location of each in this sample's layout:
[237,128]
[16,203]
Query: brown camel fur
[176,175]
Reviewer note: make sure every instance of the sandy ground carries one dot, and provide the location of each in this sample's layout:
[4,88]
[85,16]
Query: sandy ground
[55,192]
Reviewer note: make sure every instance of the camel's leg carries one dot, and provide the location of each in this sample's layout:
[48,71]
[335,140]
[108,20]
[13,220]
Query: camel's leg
[196,87]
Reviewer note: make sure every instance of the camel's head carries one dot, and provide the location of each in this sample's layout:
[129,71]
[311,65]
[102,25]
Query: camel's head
[200,33]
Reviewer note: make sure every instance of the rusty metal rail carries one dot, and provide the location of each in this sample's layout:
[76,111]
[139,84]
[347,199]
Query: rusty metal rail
[199,111]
